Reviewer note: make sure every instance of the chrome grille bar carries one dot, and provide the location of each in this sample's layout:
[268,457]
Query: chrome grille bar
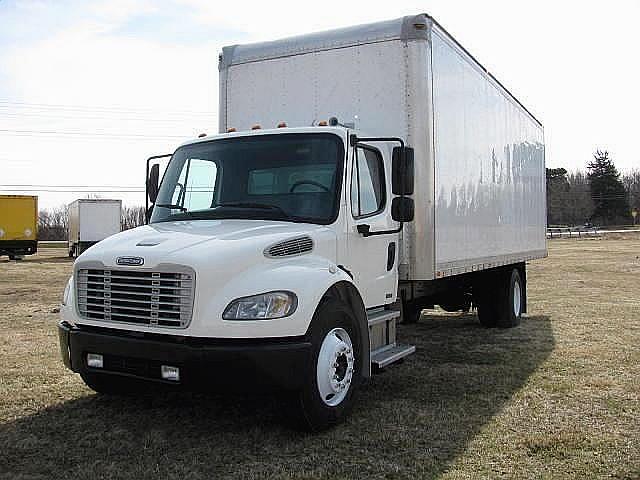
[152,297]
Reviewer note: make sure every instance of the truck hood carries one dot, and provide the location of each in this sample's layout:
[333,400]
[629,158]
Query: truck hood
[206,242]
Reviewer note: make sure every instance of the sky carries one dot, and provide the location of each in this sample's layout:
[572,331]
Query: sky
[90,89]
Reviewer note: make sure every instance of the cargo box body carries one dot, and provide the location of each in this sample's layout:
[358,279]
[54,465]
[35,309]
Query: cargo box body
[479,154]
[92,220]
[18,224]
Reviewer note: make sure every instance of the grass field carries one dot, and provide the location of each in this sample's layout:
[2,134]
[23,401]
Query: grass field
[557,397]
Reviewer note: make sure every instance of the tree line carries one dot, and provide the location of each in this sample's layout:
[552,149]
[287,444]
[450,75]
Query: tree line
[600,195]
[53,224]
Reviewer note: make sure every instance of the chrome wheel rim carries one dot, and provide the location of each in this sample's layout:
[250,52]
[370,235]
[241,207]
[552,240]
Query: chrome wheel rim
[517,298]
[334,370]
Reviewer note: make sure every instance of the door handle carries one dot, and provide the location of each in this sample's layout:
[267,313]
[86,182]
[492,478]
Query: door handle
[391,256]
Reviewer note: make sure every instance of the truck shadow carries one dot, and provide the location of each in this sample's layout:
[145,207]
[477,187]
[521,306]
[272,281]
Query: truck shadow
[410,421]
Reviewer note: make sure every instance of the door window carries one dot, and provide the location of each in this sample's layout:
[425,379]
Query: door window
[196,185]
[367,183]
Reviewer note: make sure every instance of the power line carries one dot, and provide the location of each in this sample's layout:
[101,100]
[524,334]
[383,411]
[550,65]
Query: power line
[121,109]
[32,133]
[80,116]
[34,190]
[30,185]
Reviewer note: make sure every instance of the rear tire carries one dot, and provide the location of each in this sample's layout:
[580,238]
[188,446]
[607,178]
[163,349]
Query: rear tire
[411,312]
[334,372]
[502,306]
[511,301]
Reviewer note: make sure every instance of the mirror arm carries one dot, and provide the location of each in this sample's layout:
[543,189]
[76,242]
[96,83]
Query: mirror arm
[365,230]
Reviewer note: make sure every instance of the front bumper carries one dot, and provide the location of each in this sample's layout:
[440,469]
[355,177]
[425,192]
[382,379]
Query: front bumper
[205,364]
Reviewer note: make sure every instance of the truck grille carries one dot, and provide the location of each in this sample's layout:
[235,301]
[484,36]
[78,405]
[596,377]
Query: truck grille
[155,298]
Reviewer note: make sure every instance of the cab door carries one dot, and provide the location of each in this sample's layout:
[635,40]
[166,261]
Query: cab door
[373,260]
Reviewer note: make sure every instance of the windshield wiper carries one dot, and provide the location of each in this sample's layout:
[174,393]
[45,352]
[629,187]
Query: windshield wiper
[172,206]
[260,206]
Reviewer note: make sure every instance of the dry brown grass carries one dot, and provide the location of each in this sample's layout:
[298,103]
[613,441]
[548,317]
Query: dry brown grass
[557,397]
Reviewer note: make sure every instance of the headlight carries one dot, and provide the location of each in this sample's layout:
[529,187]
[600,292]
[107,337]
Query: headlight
[67,291]
[261,307]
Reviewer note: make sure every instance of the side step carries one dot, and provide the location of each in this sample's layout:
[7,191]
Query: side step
[382,338]
[391,355]
[379,316]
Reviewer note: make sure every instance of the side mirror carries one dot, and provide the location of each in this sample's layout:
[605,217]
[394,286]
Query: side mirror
[402,209]
[402,171]
[152,183]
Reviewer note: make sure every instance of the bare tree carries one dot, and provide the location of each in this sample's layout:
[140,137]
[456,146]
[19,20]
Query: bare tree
[132,217]
[53,224]
[631,183]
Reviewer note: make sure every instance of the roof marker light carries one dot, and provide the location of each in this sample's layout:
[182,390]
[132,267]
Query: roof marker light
[202,135]
[231,130]
[282,124]
[256,127]
[322,123]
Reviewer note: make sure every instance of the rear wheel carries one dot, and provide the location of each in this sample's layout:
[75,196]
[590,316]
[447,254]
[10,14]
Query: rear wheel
[334,370]
[511,302]
[502,305]
[411,312]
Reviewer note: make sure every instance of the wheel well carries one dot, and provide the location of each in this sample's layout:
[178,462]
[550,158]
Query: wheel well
[347,293]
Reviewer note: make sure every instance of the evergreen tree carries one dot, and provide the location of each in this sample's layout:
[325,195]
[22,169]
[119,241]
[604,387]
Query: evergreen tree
[557,188]
[607,190]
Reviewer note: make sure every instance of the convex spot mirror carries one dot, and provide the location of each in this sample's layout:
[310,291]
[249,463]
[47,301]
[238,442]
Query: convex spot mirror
[402,171]
[402,209]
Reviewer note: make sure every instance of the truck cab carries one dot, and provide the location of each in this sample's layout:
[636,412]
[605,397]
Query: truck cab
[269,254]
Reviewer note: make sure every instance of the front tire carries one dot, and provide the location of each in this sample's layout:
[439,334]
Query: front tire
[334,374]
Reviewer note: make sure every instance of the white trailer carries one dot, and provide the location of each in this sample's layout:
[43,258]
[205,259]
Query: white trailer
[400,175]
[90,221]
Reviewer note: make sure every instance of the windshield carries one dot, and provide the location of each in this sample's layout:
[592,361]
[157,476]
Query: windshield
[290,177]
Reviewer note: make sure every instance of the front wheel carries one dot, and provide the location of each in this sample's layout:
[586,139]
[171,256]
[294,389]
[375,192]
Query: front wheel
[334,374]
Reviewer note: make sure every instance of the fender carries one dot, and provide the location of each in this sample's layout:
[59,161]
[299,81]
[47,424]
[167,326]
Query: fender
[310,277]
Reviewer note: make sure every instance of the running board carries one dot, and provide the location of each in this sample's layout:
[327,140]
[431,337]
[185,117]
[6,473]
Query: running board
[391,355]
[380,316]
[382,338]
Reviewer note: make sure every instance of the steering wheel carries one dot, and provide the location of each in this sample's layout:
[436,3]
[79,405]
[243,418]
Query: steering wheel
[307,182]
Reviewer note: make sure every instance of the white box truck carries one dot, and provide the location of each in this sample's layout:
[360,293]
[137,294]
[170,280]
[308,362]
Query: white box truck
[90,221]
[400,175]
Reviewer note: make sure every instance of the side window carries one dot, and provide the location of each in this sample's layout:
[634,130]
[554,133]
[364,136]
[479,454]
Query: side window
[367,183]
[196,184]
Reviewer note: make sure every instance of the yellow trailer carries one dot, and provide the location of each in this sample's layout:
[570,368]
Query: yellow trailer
[18,225]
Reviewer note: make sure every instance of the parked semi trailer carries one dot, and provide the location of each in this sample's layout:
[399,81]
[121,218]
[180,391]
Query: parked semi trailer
[18,225]
[360,176]
[90,221]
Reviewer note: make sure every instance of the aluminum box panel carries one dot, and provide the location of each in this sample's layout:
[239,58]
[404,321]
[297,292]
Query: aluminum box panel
[489,168]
